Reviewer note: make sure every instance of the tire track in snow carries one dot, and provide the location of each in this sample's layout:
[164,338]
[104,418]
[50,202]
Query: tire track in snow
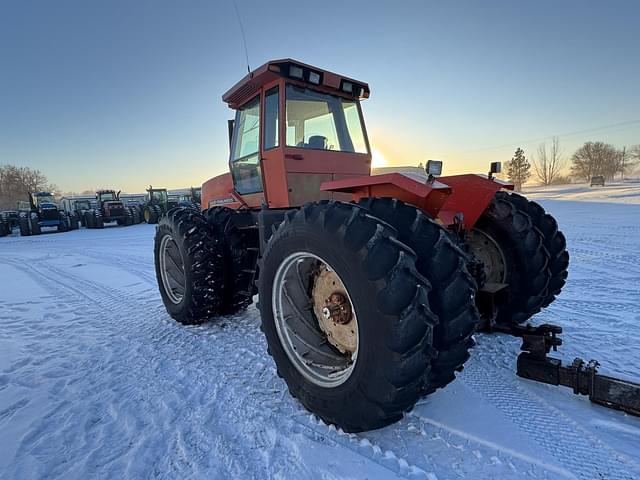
[115,303]
[573,446]
[380,451]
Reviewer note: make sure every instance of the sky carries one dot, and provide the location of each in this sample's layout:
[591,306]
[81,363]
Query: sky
[124,94]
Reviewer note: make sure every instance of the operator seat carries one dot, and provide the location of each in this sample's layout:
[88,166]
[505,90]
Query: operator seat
[317,142]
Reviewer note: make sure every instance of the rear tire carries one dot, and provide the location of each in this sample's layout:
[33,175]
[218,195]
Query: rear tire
[552,239]
[188,266]
[63,226]
[239,258]
[25,229]
[4,228]
[525,259]
[451,297]
[151,215]
[98,221]
[33,223]
[391,305]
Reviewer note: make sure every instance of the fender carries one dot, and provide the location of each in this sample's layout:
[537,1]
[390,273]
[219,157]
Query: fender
[442,199]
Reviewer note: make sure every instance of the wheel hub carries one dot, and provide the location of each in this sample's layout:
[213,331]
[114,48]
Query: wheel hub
[333,310]
[487,250]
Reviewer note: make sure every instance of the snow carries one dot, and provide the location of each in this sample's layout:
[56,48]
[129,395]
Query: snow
[612,192]
[97,381]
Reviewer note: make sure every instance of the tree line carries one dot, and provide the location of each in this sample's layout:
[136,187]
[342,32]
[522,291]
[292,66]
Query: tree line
[17,182]
[590,160]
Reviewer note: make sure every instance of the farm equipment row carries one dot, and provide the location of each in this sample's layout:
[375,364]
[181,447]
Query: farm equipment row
[370,286]
[106,207]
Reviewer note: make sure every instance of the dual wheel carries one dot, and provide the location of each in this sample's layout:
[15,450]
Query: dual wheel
[359,325]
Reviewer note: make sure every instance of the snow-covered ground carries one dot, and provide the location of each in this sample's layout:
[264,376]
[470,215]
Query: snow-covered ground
[96,381]
[613,192]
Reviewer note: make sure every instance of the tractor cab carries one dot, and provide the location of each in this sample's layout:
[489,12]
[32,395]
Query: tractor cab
[45,205]
[295,127]
[160,197]
[107,196]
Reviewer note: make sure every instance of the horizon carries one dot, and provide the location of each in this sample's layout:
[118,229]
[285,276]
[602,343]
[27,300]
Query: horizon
[126,95]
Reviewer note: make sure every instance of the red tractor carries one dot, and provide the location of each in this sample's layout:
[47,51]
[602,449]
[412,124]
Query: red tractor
[370,287]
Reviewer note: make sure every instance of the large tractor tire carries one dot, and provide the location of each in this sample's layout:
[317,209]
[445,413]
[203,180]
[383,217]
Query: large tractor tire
[98,221]
[512,250]
[4,228]
[552,239]
[128,219]
[151,215]
[89,219]
[346,315]
[240,257]
[34,225]
[451,297]
[64,224]
[25,229]
[188,261]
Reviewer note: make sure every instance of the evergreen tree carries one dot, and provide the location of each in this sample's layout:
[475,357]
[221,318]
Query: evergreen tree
[518,169]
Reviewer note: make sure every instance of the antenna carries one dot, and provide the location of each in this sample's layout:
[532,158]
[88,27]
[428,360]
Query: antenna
[244,40]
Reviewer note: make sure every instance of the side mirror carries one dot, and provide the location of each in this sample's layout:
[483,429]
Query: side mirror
[434,168]
[496,167]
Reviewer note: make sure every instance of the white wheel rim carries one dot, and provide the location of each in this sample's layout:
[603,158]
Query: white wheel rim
[298,328]
[171,270]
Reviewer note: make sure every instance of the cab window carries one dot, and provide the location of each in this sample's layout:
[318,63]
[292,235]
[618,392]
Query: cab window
[320,121]
[245,156]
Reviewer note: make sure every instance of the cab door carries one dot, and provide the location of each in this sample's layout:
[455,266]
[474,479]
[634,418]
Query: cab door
[244,162]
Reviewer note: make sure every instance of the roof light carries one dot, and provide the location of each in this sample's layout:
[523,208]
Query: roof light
[295,72]
[314,77]
[347,87]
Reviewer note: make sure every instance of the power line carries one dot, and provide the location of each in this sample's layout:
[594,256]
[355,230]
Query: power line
[568,134]
[244,39]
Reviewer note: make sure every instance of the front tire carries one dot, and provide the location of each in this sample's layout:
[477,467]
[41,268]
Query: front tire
[382,375]
[188,266]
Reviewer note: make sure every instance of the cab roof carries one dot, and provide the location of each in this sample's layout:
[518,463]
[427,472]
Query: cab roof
[246,88]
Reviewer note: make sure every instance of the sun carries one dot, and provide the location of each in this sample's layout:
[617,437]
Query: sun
[378,159]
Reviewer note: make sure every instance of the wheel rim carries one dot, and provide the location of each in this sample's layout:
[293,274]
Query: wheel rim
[487,250]
[172,269]
[312,327]
[147,215]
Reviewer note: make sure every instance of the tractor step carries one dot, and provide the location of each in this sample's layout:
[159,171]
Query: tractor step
[534,364]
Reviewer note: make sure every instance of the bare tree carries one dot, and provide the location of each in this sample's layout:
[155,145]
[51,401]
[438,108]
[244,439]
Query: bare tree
[17,182]
[629,159]
[595,158]
[548,165]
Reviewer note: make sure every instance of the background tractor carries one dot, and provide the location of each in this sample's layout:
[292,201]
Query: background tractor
[76,207]
[371,286]
[42,211]
[109,208]
[9,219]
[157,204]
